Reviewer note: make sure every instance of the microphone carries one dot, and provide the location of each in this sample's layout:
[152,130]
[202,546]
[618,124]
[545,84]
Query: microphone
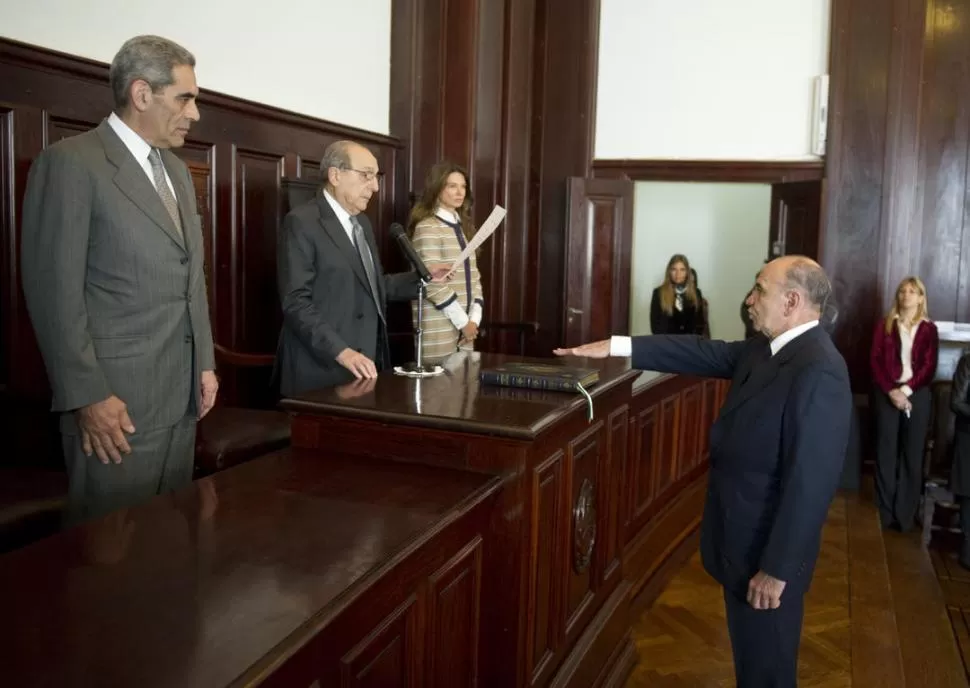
[397,231]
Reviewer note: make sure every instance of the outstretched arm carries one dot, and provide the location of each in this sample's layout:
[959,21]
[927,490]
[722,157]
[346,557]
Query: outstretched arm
[681,354]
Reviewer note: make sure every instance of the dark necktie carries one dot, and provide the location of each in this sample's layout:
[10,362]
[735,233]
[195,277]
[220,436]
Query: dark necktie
[363,250]
[161,185]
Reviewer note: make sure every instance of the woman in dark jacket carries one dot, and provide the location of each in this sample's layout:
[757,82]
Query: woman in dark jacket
[677,304]
[905,347]
[960,474]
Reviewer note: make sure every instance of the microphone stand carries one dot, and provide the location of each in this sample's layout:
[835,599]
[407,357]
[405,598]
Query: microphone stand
[417,368]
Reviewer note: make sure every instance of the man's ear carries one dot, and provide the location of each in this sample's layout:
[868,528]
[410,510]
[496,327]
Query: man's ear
[140,95]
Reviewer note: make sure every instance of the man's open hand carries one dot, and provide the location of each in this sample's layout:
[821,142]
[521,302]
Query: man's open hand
[357,363]
[600,349]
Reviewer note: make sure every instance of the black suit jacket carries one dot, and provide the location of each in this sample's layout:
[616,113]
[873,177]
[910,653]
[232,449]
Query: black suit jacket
[327,303]
[960,405]
[691,320]
[776,454]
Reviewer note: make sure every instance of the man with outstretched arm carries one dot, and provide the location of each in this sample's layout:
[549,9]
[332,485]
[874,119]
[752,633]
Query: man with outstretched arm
[777,449]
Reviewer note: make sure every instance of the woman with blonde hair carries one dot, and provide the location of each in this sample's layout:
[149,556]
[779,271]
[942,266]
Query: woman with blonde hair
[905,346]
[677,306]
[441,225]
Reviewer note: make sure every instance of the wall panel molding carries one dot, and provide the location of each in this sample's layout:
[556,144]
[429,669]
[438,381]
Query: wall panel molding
[752,171]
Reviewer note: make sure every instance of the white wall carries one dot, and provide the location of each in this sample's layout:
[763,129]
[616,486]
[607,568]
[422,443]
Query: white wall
[709,79]
[325,58]
[723,231]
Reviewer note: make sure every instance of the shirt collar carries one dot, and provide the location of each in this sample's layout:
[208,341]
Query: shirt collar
[447,215]
[139,147]
[911,328]
[342,215]
[785,337]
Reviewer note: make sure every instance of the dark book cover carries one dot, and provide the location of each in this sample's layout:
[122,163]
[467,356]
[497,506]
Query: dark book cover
[540,376]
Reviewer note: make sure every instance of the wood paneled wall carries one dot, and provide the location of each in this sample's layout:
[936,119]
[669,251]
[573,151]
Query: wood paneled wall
[897,182]
[239,154]
[507,89]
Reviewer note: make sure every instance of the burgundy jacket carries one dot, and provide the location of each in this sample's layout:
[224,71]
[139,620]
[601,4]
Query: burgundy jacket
[885,362]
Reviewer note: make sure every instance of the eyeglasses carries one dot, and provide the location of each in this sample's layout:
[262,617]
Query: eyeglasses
[367,175]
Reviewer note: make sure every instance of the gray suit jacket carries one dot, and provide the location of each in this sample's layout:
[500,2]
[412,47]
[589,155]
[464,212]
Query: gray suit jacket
[116,296]
[327,304]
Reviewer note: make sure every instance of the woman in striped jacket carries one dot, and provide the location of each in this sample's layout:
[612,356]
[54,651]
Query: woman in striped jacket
[441,226]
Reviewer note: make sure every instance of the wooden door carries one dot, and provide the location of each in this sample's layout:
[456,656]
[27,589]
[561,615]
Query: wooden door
[599,240]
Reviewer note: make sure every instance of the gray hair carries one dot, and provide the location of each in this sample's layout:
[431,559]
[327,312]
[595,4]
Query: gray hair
[149,58]
[808,276]
[337,155]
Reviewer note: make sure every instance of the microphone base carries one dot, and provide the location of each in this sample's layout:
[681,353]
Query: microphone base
[414,370]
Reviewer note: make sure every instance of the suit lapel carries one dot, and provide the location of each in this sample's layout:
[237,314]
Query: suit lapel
[338,235]
[764,371]
[134,183]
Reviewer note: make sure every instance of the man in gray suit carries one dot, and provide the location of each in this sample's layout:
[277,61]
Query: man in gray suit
[113,279]
[332,287]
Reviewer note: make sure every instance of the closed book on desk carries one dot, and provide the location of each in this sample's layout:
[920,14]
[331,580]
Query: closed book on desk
[540,376]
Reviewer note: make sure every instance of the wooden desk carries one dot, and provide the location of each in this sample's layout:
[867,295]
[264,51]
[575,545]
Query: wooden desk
[316,568]
[280,572]
[577,496]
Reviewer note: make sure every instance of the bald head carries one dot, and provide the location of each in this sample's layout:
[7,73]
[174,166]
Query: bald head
[807,276]
[790,291]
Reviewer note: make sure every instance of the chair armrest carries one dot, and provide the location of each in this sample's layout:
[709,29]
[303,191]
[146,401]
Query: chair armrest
[237,358]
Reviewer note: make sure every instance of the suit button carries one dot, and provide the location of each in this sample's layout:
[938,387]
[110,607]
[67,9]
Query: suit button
[360,316]
[184,261]
[188,297]
[188,339]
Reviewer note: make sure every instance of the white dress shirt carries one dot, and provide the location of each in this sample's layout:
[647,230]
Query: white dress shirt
[785,337]
[906,337]
[623,346]
[343,217]
[139,147]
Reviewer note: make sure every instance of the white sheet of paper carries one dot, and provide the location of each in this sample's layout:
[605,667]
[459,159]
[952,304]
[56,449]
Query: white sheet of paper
[484,232]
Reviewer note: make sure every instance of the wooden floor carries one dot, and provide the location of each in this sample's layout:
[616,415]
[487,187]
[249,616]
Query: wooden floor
[875,615]
[955,584]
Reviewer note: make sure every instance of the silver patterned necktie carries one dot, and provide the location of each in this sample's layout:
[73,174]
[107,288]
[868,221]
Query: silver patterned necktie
[363,250]
[161,185]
